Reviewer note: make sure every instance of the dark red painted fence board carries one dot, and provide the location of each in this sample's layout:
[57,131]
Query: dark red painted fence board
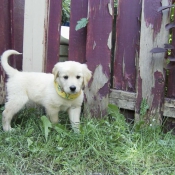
[5,42]
[77,39]
[4,26]
[17,28]
[98,53]
[127,48]
[127,45]
[53,35]
[11,34]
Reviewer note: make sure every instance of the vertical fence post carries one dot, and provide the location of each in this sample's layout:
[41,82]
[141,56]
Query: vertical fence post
[35,28]
[4,41]
[17,28]
[77,39]
[151,77]
[53,35]
[11,35]
[98,52]
[127,47]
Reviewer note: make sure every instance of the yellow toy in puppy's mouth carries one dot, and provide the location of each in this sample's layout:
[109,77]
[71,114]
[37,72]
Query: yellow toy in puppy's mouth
[65,95]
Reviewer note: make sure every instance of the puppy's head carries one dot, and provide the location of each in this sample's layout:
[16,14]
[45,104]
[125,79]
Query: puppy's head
[71,76]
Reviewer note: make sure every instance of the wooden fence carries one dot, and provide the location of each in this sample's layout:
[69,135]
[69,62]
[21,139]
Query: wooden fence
[125,72]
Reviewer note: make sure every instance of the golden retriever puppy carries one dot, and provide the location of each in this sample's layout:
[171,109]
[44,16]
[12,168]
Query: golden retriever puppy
[61,90]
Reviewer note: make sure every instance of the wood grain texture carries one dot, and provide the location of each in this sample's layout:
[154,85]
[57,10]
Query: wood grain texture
[77,39]
[127,100]
[98,49]
[35,27]
[151,79]
[169,108]
[123,99]
[17,29]
[11,35]
[4,26]
[53,35]
[127,45]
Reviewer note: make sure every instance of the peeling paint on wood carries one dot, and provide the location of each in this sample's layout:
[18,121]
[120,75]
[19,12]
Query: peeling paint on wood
[127,44]
[94,45]
[152,17]
[98,54]
[151,65]
[110,8]
[110,41]
[95,101]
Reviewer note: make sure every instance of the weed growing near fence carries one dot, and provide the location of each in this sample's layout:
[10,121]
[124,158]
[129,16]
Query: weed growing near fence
[106,146]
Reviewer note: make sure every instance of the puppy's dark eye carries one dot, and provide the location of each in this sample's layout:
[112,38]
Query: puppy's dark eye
[65,77]
[78,77]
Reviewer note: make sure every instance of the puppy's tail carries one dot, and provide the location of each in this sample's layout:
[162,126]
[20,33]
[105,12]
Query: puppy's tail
[4,62]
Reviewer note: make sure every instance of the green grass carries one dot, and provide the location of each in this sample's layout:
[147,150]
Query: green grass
[106,146]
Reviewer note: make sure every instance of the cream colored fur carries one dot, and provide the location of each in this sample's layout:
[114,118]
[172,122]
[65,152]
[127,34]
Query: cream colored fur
[39,88]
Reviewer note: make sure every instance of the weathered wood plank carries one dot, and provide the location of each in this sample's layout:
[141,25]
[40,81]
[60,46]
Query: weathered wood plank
[77,39]
[53,36]
[127,45]
[169,108]
[35,24]
[123,99]
[98,54]
[127,100]
[151,77]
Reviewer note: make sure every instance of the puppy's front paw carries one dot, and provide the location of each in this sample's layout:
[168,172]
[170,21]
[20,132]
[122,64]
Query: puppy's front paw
[76,129]
[8,129]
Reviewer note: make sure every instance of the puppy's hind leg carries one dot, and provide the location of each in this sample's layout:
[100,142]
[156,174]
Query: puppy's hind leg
[11,108]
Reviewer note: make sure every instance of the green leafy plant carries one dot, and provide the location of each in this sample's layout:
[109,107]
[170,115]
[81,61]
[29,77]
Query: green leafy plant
[65,11]
[81,23]
[46,125]
[115,3]
[143,108]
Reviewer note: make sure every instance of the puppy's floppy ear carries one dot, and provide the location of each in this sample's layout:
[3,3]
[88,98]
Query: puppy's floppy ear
[55,72]
[87,75]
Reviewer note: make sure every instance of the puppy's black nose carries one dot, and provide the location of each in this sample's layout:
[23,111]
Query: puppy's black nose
[72,88]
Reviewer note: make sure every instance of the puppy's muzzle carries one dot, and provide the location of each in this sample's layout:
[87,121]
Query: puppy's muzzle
[72,88]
